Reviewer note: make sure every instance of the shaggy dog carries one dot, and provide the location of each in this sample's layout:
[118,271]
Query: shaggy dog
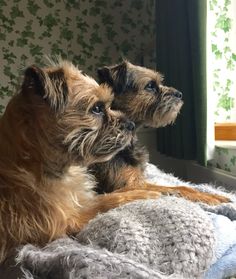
[57,124]
[140,94]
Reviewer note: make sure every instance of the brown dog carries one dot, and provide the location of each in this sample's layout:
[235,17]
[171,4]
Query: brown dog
[58,123]
[140,94]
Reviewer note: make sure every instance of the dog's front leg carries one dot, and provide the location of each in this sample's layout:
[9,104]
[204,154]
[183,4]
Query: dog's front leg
[187,193]
[103,203]
[182,191]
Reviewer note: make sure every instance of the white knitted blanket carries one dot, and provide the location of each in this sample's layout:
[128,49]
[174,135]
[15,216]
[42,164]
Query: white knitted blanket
[165,238]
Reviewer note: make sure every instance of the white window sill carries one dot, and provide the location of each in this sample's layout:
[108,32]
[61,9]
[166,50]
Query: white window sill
[230,144]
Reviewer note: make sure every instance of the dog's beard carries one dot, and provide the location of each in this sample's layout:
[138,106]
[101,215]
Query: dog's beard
[165,113]
[110,145]
[92,146]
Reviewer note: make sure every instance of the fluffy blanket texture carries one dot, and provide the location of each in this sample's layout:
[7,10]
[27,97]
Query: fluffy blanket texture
[165,238]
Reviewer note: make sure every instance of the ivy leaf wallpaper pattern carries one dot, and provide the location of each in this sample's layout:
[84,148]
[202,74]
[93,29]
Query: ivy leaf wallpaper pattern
[91,33]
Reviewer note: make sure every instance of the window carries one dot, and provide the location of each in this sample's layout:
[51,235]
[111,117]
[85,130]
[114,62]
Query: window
[221,76]
[222,66]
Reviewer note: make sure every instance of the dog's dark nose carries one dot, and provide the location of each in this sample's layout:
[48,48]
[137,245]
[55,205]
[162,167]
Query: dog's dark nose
[129,125]
[178,94]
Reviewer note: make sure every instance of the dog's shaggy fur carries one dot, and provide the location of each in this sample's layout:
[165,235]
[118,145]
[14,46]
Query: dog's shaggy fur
[140,94]
[57,124]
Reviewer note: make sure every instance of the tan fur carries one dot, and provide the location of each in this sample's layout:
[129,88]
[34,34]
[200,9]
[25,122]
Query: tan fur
[49,133]
[155,107]
[143,107]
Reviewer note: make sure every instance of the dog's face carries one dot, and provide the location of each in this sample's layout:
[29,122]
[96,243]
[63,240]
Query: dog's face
[140,94]
[71,113]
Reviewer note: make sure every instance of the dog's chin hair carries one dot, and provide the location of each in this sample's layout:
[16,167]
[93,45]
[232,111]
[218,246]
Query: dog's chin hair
[110,156]
[81,144]
[103,159]
[107,157]
[111,146]
[167,117]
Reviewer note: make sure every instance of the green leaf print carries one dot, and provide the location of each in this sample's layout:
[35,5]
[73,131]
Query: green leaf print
[48,3]
[36,50]
[66,34]
[21,42]
[95,39]
[32,7]
[226,102]
[94,11]
[224,23]
[233,160]
[50,21]
[15,12]
[86,31]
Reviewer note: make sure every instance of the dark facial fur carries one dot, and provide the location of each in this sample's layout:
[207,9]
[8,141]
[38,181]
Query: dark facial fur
[140,94]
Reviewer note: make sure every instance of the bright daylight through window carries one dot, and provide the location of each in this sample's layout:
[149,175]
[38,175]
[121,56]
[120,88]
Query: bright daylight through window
[222,60]
[221,76]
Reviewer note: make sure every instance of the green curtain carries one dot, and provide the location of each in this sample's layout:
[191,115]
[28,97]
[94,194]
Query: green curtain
[181,57]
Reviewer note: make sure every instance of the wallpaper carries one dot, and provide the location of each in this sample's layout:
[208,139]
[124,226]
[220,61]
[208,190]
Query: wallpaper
[91,33]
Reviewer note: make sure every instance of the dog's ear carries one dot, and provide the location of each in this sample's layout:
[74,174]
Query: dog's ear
[34,78]
[51,86]
[114,76]
[104,75]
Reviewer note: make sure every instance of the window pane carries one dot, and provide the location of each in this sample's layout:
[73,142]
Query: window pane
[222,59]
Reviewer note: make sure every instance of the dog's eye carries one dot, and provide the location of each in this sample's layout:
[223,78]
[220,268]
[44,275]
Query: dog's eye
[151,86]
[98,109]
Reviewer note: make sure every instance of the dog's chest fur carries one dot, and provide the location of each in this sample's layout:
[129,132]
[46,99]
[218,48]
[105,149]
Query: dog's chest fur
[114,174]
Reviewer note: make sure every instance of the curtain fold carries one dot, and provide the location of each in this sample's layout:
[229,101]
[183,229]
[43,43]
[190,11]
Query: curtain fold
[181,57]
